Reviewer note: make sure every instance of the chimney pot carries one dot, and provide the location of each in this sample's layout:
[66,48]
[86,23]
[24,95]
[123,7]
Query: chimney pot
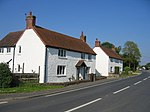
[30,21]
[97,43]
[82,37]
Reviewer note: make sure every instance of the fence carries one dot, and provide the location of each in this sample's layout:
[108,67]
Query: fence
[28,77]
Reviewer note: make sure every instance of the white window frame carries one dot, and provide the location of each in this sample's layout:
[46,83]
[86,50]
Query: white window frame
[61,70]
[20,49]
[8,49]
[62,53]
[1,50]
[90,57]
[82,55]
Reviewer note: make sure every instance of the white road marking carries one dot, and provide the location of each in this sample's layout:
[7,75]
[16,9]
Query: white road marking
[137,82]
[3,102]
[81,88]
[121,90]
[83,105]
[145,79]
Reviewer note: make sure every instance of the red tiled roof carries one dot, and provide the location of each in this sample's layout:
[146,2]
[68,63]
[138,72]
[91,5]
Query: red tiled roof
[80,63]
[11,39]
[111,53]
[54,39]
[50,38]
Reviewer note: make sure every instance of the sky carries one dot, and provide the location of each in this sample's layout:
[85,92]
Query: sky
[114,21]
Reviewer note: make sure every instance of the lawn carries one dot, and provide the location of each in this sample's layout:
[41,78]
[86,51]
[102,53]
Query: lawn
[28,87]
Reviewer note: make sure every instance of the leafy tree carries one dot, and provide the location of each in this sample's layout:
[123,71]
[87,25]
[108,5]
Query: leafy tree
[107,45]
[147,66]
[5,76]
[131,54]
[111,46]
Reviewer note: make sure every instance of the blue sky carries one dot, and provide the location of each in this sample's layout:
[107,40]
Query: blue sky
[115,21]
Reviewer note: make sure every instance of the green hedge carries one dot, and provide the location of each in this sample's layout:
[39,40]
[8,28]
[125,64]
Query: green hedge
[5,76]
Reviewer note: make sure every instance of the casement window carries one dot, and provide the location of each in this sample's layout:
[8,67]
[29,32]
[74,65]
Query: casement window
[1,50]
[82,55]
[61,70]
[89,57]
[19,68]
[19,49]
[8,49]
[111,69]
[62,53]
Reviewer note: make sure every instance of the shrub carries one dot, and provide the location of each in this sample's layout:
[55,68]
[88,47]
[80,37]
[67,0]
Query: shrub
[5,76]
[127,69]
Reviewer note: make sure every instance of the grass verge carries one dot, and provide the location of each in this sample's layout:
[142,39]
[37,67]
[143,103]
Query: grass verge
[29,87]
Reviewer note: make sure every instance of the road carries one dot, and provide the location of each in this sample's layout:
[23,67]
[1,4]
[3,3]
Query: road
[125,95]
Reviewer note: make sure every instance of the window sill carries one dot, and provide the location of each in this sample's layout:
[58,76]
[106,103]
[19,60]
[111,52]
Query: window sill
[90,60]
[61,76]
[62,57]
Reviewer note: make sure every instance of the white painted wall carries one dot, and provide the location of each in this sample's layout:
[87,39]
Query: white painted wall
[32,54]
[102,61]
[115,64]
[5,57]
[70,61]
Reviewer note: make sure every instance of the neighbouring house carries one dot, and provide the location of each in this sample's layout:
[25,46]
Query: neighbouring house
[108,62]
[54,56]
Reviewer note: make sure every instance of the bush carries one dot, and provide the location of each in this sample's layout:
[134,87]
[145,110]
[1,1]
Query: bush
[5,76]
[127,69]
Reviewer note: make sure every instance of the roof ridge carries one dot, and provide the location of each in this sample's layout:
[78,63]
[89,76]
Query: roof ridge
[111,53]
[57,32]
[59,40]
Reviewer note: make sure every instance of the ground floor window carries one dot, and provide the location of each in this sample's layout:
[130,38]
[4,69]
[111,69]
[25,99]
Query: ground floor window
[61,70]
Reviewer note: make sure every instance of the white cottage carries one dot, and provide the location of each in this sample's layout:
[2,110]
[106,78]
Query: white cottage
[56,57]
[107,60]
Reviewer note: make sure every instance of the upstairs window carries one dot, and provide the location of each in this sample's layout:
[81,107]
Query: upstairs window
[19,49]
[82,55]
[62,53]
[89,57]
[8,50]
[1,50]
[61,70]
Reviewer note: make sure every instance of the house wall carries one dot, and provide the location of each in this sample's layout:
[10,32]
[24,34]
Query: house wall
[102,61]
[115,63]
[32,56]
[7,57]
[71,59]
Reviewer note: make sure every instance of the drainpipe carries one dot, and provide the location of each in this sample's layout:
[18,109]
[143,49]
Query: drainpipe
[13,60]
[45,65]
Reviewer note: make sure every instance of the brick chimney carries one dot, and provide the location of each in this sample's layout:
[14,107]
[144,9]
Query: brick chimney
[30,21]
[97,43]
[82,37]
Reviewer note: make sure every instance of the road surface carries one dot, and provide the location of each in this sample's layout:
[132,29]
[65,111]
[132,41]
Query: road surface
[124,95]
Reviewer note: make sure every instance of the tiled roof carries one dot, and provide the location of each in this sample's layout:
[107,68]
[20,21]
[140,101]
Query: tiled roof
[11,39]
[51,39]
[54,39]
[80,63]
[111,53]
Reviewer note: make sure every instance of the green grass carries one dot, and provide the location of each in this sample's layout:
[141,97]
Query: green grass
[130,74]
[28,87]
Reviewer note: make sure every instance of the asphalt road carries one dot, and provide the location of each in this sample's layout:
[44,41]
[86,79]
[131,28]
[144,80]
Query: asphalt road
[126,95]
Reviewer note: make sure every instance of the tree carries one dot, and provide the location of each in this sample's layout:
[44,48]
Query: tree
[5,76]
[107,45]
[131,54]
[111,46]
[147,66]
